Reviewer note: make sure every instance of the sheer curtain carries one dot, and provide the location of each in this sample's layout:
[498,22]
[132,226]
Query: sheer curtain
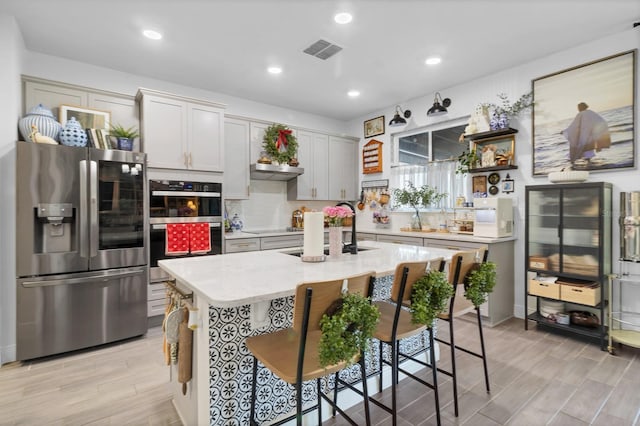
[438,174]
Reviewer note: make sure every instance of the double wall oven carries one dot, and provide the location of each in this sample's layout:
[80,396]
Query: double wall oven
[173,202]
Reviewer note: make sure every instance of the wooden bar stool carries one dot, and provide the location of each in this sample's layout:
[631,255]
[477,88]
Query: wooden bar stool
[396,324]
[293,354]
[461,264]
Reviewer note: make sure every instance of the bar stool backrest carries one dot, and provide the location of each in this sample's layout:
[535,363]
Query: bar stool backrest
[461,264]
[415,270]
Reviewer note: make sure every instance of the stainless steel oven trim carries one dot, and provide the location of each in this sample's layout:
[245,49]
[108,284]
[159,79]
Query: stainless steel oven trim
[197,219]
[85,279]
[186,194]
[164,225]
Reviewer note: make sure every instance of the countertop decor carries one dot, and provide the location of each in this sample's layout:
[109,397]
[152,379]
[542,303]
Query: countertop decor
[415,198]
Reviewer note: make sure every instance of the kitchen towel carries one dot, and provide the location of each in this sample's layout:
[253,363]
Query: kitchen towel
[177,239]
[200,238]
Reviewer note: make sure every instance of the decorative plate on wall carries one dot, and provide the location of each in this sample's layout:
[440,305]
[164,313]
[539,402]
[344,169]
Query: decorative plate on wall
[494,178]
[493,190]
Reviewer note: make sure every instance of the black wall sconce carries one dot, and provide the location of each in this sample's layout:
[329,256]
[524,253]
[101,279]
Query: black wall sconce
[439,106]
[397,120]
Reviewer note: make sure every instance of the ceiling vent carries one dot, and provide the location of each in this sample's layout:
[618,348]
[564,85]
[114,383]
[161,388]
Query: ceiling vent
[322,49]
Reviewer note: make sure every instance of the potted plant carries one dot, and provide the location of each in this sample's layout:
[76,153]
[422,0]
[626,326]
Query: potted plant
[124,136]
[347,328]
[506,109]
[429,297]
[416,198]
[479,282]
[467,161]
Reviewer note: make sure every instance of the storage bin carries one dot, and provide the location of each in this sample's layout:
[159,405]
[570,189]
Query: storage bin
[583,293]
[538,262]
[544,289]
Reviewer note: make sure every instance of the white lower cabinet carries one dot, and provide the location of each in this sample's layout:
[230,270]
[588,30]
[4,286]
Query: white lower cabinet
[284,241]
[397,239]
[241,245]
[156,299]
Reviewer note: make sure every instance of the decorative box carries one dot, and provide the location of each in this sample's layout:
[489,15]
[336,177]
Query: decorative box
[544,289]
[538,262]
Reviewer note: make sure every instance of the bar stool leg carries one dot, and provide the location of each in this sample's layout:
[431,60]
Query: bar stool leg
[434,372]
[484,355]
[380,365]
[318,391]
[299,403]
[365,392]
[454,377]
[252,420]
[394,380]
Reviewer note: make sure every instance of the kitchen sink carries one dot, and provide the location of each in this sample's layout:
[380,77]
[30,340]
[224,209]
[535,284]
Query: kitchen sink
[298,253]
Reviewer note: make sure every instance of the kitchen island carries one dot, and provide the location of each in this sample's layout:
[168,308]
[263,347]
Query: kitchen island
[243,294]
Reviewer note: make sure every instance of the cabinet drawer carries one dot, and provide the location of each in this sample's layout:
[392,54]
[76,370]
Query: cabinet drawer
[269,243]
[550,290]
[156,307]
[245,244]
[415,241]
[585,294]
[451,244]
[156,291]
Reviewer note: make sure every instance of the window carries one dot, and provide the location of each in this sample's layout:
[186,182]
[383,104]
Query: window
[428,156]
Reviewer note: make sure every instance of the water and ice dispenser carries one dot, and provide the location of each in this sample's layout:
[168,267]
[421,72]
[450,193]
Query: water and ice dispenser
[55,227]
[630,226]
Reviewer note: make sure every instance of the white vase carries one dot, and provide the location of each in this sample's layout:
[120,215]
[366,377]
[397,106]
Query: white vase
[335,241]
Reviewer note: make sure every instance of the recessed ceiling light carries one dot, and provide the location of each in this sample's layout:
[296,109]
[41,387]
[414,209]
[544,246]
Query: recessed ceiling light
[153,35]
[434,60]
[343,18]
[353,93]
[274,70]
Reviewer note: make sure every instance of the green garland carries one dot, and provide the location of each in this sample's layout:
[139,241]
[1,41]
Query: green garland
[479,282]
[429,297]
[270,140]
[347,328]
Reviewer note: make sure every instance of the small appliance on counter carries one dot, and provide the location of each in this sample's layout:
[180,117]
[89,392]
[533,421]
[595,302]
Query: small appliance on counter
[493,217]
[297,219]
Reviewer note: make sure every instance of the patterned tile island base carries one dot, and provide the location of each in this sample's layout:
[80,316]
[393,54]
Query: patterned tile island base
[230,363]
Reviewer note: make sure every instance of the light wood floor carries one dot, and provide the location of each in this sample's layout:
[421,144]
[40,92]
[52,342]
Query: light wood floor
[537,378]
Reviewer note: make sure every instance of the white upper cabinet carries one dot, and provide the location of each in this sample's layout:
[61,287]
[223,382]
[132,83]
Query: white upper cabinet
[181,133]
[343,168]
[236,159]
[313,155]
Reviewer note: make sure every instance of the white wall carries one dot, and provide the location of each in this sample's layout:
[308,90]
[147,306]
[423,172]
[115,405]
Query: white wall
[515,82]
[11,46]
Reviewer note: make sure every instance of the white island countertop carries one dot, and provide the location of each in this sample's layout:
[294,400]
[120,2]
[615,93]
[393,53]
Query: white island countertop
[236,279]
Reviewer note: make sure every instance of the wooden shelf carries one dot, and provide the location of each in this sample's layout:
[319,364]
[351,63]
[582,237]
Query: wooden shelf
[492,169]
[491,133]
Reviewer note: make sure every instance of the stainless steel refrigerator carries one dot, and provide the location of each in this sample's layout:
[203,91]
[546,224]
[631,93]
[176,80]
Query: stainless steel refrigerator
[81,250]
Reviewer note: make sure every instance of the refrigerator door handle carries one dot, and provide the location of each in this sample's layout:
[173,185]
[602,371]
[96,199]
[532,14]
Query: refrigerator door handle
[93,208]
[84,220]
[83,280]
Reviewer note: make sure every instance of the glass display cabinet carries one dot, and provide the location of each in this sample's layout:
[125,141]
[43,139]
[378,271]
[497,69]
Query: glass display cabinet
[568,257]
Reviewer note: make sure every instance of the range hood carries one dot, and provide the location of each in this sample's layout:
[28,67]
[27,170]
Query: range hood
[282,172]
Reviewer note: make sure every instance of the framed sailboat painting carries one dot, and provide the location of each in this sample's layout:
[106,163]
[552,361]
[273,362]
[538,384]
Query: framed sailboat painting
[584,117]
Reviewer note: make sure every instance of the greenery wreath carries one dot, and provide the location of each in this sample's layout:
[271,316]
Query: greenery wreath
[277,137]
[347,327]
[479,282]
[429,297]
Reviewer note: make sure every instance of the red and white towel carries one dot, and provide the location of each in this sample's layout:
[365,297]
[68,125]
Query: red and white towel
[177,239]
[200,238]
[184,238]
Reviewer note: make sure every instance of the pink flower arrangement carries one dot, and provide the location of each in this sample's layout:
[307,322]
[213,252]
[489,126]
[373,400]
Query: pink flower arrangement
[335,214]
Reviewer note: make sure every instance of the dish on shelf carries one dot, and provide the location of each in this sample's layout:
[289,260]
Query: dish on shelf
[494,178]
[570,176]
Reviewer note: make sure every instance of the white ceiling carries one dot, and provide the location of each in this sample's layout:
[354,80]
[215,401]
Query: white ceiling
[225,46]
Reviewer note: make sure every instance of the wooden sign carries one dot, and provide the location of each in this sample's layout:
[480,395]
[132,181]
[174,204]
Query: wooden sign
[372,157]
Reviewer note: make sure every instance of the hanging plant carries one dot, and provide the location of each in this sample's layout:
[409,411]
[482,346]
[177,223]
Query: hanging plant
[347,327]
[280,143]
[467,161]
[479,282]
[429,297]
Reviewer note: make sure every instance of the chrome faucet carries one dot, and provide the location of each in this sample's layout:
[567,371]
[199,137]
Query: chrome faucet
[353,247]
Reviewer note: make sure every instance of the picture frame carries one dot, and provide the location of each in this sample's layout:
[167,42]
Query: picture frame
[595,98]
[495,151]
[374,127]
[479,186]
[507,185]
[96,122]
[87,117]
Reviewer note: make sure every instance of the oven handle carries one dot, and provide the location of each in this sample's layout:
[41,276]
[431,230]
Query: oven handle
[186,194]
[164,225]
